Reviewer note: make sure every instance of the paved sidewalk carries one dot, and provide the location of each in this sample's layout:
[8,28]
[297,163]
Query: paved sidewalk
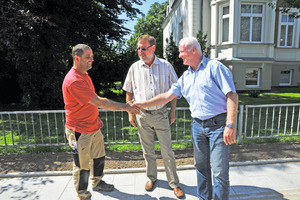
[248,181]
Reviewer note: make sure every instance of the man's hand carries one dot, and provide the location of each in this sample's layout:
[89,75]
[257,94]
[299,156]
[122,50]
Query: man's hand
[172,118]
[132,119]
[135,109]
[229,135]
[140,105]
[132,109]
[101,123]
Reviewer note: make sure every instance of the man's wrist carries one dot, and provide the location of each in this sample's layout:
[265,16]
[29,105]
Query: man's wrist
[230,125]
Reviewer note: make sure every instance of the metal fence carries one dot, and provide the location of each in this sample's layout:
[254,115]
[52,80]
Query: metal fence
[46,128]
[268,121]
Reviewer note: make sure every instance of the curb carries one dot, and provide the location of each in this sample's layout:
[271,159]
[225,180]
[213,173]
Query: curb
[140,170]
[263,162]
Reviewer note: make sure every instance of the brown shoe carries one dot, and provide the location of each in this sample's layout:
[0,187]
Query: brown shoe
[149,185]
[178,192]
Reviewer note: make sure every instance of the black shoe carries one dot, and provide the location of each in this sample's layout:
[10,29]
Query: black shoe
[102,186]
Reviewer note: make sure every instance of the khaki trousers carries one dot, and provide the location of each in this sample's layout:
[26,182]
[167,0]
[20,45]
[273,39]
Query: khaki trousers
[89,158]
[149,123]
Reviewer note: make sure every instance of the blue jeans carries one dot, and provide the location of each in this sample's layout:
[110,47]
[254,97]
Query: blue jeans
[211,154]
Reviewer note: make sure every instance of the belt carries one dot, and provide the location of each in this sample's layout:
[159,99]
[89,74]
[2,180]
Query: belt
[154,111]
[222,115]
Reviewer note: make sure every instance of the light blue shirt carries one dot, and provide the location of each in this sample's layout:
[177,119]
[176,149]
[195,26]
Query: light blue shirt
[205,89]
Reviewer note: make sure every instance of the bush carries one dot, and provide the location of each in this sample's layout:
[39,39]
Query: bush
[254,93]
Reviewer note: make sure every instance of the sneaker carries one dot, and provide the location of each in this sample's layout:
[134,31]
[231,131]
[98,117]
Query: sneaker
[102,186]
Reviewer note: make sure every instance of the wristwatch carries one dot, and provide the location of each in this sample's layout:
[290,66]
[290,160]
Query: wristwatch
[230,125]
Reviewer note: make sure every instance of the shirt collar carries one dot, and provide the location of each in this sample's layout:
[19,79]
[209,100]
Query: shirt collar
[203,64]
[77,71]
[155,62]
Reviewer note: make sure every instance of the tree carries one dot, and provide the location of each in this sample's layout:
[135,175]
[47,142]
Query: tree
[172,53]
[110,67]
[205,47]
[36,39]
[151,24]
[284,6]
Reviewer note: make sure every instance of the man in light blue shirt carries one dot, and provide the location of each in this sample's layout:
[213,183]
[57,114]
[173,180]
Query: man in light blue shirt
[208,87]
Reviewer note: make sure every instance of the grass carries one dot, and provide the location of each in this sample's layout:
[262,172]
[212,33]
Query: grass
[271,140]
[34,149]
[283,96]
[66,148]
[280,121]
[138,147]
[32,128]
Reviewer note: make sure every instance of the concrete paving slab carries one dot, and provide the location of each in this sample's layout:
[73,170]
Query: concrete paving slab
[255,182]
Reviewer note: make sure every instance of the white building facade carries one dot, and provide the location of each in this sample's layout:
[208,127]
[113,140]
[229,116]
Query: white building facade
[259,45]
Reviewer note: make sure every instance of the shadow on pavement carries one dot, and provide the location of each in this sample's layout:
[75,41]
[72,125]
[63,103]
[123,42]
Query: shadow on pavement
[27,188]
[254,193]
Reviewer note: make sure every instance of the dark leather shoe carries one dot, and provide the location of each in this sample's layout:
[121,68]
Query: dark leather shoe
[149,185]
[178,192]
[102,186]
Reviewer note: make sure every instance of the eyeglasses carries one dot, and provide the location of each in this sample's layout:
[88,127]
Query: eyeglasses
[143,49]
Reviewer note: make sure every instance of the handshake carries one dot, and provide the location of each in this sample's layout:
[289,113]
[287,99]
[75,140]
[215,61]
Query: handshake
[133,108]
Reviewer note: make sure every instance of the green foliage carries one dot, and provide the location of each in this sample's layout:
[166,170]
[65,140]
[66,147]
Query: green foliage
[27,129]
[284,6]
[271,122]
[36,38]
[109,68]
[172,53]
[9,138]
[124,147]
[34,149]
[271,140]
[151,24]
[66,148]
[205,47]
[254,93]
[138,147]
[183,145]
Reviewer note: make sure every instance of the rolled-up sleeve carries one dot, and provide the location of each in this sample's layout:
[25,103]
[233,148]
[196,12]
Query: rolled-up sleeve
[176,89]
[128,82]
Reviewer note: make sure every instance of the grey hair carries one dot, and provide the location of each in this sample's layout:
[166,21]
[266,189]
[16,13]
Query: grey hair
[190,42]
[78,49]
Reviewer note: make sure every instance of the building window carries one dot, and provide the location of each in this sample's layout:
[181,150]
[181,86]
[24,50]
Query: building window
[251,28]
[252,77]
[286,31]
[180,30]
[225,24]
[286,77]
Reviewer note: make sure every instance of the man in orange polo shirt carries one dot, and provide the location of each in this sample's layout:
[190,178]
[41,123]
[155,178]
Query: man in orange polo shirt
[83,123]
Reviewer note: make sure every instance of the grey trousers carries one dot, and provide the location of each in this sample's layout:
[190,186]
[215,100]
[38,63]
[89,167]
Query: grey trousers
[149,123]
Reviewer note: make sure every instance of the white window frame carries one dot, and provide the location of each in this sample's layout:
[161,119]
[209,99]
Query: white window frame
[291,75]
[258,77]
[251,15]
[222,17]
[286,31]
